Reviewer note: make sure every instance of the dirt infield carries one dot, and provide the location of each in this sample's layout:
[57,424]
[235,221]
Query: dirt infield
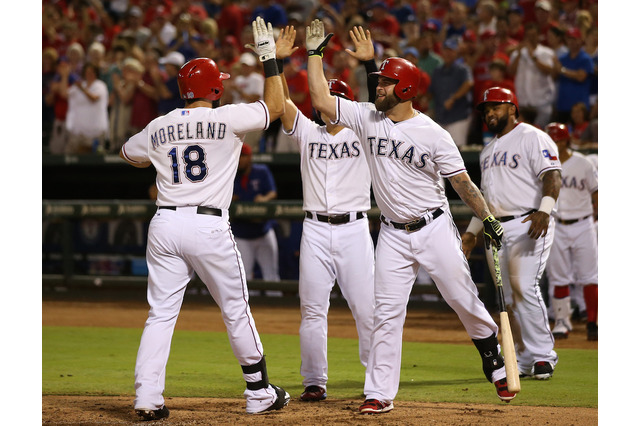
[421,325]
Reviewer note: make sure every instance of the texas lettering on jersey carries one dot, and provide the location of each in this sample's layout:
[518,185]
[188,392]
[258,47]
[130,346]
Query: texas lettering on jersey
[391,148]
[334,151]
[501,159]
[186,131]
[573,183]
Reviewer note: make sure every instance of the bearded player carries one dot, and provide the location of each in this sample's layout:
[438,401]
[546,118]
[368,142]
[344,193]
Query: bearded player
[407,153]
[521,182]
[195,152]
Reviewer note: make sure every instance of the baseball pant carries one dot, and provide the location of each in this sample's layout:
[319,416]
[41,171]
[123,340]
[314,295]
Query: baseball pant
[181,243]
[437,248]
[522,262]
[263,250]
[329,253]
[574,254]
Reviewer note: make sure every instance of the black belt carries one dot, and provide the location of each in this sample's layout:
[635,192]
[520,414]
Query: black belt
[335,219]
[508,218]
[200,210]
[414,225]
[572,221]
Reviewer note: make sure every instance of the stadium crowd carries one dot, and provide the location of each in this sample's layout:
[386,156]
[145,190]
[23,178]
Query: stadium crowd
[109,66]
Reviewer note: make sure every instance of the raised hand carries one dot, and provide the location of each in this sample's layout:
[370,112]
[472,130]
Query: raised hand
[316,40]
[264,44]
[363,44]
[284,44]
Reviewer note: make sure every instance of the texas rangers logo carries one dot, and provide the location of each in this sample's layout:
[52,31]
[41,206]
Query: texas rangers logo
[547,154]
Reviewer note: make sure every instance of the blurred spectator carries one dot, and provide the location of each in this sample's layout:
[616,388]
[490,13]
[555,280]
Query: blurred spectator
[506,44]
[124,86]
[403,11]
[421,101]
[432,30]
[209,32]
[584,22]
[578,123]
[273,13]
[532,69]
[384,27]
[543,13]
[451,85]
[187,38]
[574,71]
[515,25]
[87,117]
[486,54]
[229,54]
[75,57]
[486,11]
[556,41]
[167,83]
[591,47]
[163,32]
[49,65]
[96,56]
[255,238]
[144,103]
[134,28]
[429,59]
[568,16]
[410,30]
[457,20]
[56,97]
[231,19]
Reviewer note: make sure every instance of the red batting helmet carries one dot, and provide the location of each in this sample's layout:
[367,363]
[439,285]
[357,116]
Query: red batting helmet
[340,88]
[498,95]
[557,131]
[407,75]
[201,78]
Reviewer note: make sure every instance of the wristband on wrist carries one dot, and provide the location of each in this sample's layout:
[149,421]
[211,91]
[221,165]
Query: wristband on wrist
[280,63]
[270,68]
[546,204]
[474,226]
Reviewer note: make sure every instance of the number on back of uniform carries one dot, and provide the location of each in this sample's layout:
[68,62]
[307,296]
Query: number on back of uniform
[195,168]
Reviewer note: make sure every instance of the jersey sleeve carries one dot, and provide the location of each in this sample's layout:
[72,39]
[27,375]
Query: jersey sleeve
[301,130]
[136,149]
[544,155]
[245,118]
[349,114]
[592,177]
[447,156]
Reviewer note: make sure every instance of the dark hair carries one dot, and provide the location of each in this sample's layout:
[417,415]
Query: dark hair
[88,65]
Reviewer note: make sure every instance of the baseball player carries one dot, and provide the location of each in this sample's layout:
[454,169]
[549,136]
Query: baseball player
[407,152]
[195,152]
[574,253]
[336,243]
[521,181]
[256,238]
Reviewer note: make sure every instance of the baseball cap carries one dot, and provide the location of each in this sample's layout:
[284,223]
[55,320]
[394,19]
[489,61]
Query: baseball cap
[248,59]
[451,43]
[246,149]
[544,5]
[173,58]
[411,51]
[432,25]
[574,32]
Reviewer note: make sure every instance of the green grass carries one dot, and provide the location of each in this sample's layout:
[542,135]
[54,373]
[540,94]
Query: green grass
[100,361]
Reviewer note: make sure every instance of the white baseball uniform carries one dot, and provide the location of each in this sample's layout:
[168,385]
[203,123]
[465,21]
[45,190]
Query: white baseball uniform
[336,243]
[512,167]
[406,160]
[574,254]
[195,153]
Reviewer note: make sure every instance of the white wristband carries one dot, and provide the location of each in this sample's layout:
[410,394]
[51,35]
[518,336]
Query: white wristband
[546,204]
[474,226]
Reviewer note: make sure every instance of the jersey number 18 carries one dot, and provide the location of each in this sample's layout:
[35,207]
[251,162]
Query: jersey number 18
[195,167]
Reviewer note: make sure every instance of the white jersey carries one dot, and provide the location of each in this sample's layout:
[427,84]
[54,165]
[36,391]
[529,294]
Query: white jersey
[407,159]
[534,88]
[189,147]
[512,167]
[335,175]
[579,181]
[85,117]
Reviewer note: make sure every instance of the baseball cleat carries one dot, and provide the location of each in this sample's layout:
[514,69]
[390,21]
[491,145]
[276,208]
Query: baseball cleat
[282,400]
[313,393]
[542,370]
[148,414]
[373,406]
[561,329]
[503,390]
[592,331]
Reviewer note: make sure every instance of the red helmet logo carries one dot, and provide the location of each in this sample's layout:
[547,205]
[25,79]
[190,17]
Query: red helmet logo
[557,131]
[340,88]
[201,78]
[498,95]
[405,73]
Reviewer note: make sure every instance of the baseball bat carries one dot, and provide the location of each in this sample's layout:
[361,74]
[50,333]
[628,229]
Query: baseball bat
[508,348]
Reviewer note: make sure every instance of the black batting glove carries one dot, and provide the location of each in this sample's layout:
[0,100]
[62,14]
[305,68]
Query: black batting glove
[492,232]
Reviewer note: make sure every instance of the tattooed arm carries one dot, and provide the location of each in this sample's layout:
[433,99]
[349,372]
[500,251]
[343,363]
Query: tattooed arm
[470,194]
